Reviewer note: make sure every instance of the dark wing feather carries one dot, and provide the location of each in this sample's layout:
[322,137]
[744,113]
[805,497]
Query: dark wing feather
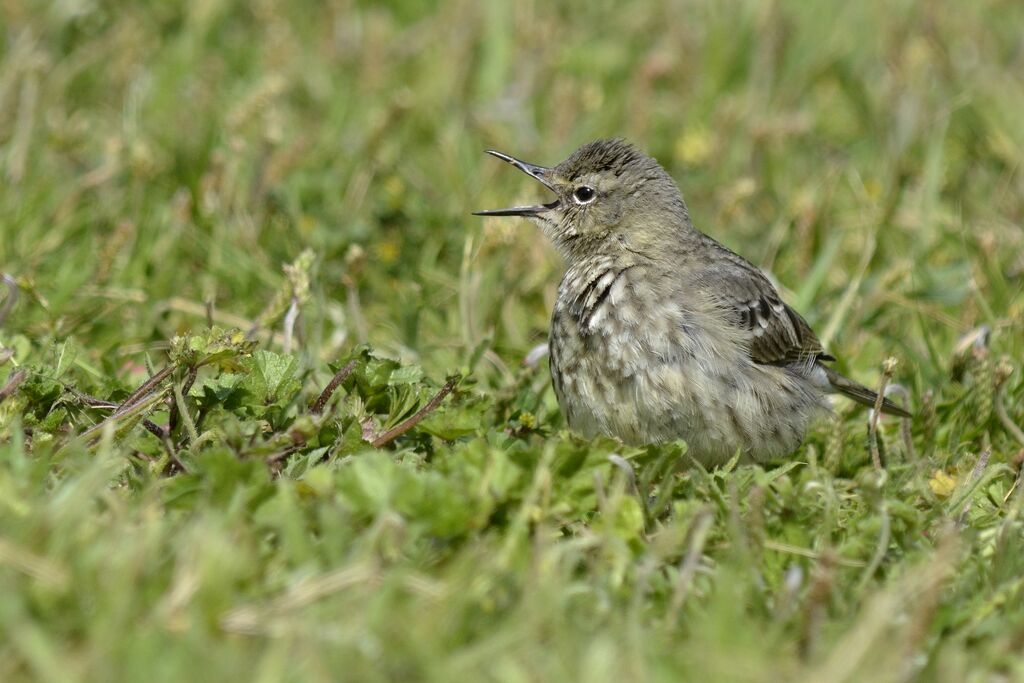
[776,333]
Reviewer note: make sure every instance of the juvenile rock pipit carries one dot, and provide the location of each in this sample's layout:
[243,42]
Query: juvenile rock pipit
[661,333]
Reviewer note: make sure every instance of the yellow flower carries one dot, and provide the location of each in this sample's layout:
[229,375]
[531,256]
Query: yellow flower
[942,484]
[388,251]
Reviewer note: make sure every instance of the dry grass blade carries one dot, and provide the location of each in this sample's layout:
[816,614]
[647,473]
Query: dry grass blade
[876,412]
[853,656]
[698,537]
[12,297]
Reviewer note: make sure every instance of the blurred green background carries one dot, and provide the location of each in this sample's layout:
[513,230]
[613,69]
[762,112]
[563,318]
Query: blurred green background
[158,156]
[162,162]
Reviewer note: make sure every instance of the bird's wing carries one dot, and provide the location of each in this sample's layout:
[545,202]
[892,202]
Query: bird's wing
[776,334]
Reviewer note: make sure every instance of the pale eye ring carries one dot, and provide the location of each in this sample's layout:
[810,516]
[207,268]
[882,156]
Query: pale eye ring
[584,194]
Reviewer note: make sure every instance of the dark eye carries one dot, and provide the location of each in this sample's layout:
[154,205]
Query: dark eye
[584,194]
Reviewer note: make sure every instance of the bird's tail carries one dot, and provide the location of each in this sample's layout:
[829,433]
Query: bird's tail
[861,394]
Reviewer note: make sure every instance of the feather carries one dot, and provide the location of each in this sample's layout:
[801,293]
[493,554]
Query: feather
[861,394]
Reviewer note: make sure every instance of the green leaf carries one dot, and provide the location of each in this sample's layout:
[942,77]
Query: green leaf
[271,377]
[211,347]
[405,374]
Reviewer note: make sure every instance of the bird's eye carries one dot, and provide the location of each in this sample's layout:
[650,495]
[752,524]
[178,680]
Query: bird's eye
[584,194]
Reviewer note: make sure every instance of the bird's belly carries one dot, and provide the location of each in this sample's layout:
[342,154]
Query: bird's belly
[650,388]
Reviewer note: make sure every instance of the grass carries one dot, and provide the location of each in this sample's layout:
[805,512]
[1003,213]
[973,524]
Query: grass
[303,173]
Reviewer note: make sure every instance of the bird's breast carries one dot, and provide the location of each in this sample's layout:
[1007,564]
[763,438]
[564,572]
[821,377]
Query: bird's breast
[615,326]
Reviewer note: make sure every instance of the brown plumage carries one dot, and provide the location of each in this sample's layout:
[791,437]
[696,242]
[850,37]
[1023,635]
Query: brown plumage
[778,334]
[661,333]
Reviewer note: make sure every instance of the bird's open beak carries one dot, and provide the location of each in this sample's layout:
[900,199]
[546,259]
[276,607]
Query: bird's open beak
[539,172]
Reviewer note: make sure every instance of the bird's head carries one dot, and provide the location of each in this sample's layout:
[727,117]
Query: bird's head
[609,197]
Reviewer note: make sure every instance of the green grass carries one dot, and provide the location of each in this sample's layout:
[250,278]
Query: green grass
[171,165]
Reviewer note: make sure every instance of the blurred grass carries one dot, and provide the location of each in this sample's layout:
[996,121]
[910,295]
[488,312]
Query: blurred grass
[161,164]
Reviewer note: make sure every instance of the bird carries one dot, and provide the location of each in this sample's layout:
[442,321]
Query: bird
[659,333]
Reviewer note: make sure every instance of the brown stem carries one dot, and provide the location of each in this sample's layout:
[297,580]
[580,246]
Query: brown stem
[151,427]
[136,409]
[144,389]
[332,386]
[13,382]
[99,403]
[90,401]
[275,461]
[401,428]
